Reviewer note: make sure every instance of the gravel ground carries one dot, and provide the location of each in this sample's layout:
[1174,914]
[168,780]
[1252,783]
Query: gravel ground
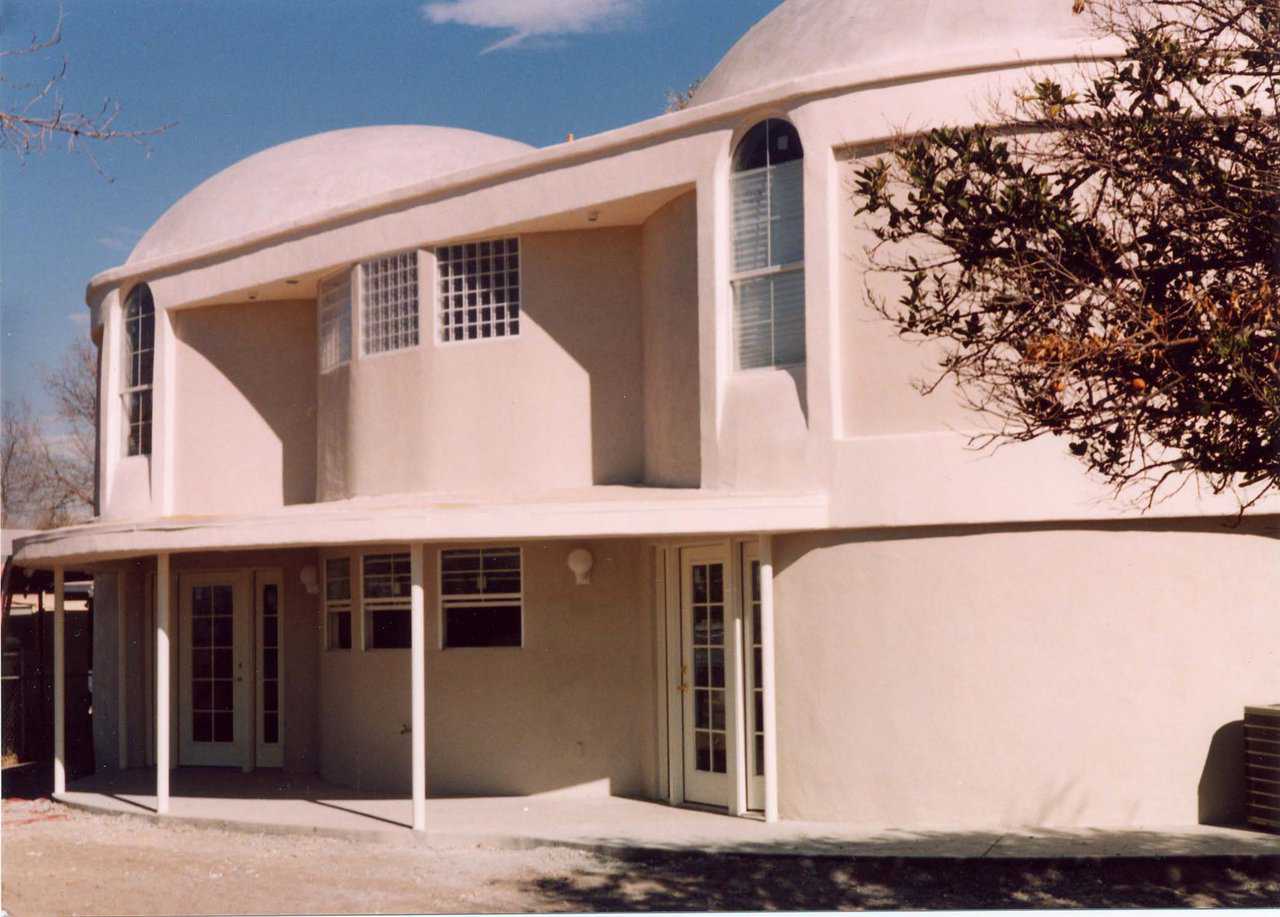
[60,861]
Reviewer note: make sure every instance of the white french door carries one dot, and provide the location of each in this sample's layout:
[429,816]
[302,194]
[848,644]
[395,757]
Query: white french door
[717,699]
[704,666]
[755,677]
[231,665]
[215,687]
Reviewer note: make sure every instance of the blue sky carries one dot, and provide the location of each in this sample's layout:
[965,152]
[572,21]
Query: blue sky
[238,76]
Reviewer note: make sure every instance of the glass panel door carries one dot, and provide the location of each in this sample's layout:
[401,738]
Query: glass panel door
[703,677]
[213,705]
[755,677]
[270,669]
[214,702]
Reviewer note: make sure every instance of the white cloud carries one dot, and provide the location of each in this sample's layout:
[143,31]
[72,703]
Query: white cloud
[536,19]
[120,238]
[79,317]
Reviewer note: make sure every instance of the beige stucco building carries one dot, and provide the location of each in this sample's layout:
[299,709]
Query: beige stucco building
[434,463]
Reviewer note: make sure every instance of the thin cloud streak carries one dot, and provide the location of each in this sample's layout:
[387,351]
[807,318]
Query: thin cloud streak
[533,19]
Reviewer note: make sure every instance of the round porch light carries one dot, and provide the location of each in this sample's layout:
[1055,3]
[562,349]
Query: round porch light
[580,561]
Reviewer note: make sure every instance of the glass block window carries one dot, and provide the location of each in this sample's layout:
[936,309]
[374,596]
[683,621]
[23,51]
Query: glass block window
[768,247]
[481,597]
[479,290]
[334,321]
[386,581]
[337,603]
[140,343]
[389,303]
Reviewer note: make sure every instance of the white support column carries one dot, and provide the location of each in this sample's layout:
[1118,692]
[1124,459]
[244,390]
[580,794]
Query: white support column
[163,592]
[768,681]
[418,677]
[122,665]
[59,684]
[735,683]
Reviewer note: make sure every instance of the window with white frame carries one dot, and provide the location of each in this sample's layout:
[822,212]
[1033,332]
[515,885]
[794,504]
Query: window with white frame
[140,337]
[481,597]
[386,584]
[479,290]
[334,321]
[768,247]
[389,303]
[337,603]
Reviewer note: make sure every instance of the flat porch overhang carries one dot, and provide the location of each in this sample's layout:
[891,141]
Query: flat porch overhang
[594,512]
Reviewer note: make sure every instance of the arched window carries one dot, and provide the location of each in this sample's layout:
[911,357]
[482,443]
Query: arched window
[140,343]
[768,246]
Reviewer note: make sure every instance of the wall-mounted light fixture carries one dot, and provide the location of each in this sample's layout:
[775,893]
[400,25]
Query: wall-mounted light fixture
[580,562]
[309,580]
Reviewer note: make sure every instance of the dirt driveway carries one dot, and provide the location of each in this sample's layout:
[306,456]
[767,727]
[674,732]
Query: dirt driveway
[60,861]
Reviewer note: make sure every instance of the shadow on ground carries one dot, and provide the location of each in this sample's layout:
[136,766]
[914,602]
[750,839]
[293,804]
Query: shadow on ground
[723,882]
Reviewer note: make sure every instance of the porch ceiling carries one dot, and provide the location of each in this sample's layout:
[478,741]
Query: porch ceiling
[593,512]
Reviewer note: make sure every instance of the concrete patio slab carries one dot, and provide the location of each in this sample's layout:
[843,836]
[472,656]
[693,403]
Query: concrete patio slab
[277,803]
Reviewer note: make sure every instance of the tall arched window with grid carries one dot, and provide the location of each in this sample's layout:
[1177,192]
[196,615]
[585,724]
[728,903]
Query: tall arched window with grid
[140,342]
[768,246]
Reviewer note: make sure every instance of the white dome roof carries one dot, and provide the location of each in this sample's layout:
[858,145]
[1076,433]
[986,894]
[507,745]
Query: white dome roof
[307,177]
[807,37]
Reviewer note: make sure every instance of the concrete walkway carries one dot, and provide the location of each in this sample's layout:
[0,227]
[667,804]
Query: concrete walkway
[272,802]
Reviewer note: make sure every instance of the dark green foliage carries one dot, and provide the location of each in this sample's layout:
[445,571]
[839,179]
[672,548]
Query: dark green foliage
[1104,265]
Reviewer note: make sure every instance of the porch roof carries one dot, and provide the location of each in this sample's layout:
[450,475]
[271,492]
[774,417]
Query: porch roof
[592,512]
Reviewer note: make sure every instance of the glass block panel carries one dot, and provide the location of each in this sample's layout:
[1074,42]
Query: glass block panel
[759,756]
[389,303]
[489,272]
[271,728]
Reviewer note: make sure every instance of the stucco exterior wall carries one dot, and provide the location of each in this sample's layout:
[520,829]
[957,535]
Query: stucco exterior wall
[1084,675]
[879,369]
[245,437]
[561,405]
[573,710]
[672,436]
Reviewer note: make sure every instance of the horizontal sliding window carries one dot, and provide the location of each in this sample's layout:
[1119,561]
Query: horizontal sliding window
[389,303]
[481,597]
[479,290]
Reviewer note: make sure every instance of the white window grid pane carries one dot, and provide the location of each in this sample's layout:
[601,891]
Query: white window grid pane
[386,580]
[334,308]
[478,295]
[389,303]
[139,326]
[337,575]
[475,577]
